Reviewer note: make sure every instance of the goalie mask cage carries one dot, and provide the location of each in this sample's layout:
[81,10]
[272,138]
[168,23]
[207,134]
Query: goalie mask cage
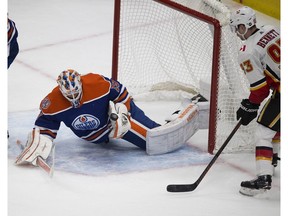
[183,45]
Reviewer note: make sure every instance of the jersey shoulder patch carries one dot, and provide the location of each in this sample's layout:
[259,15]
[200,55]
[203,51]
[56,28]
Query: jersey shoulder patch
[54,102]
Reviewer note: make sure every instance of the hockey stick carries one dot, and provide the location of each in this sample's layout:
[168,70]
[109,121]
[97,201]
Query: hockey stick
[192,187]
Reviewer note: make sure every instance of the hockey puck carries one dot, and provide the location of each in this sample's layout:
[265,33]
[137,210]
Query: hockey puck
[114,116]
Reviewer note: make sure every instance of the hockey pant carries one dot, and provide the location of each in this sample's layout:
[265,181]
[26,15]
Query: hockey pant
[139,125]
[266,133]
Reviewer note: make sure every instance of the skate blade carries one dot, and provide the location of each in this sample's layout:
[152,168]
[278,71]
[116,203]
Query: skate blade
[251,192]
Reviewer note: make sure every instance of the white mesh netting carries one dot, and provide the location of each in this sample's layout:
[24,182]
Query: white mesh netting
[163,49]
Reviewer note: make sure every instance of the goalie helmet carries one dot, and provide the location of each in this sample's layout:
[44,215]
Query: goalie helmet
[244,15]
[70,85]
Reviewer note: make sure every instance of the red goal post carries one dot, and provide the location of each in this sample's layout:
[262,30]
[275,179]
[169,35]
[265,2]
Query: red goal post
[153,46]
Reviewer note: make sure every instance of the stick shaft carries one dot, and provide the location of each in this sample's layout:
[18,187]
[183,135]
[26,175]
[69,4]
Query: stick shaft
[192,187]
[218,152]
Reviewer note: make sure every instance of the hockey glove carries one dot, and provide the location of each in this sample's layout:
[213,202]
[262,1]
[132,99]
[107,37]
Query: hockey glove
[247,111]
[120,122]
[37,146]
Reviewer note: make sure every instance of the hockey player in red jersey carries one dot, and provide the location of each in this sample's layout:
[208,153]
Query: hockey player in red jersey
[94,107]
[259,57]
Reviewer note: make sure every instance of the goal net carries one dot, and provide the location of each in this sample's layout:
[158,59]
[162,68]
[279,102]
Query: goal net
[181,48]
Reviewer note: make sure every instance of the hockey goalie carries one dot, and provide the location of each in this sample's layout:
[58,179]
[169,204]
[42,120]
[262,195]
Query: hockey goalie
[98,109]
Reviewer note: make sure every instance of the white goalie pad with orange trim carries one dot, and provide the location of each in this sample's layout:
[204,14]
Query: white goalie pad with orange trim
[174,134]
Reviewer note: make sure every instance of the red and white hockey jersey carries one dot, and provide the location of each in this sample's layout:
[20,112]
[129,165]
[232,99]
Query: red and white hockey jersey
[259,57]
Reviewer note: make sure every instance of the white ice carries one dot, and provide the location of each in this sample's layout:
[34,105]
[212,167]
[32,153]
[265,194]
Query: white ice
[54,35]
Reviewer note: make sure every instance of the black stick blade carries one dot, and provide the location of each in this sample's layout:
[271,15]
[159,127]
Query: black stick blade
[181,187]
[192,187]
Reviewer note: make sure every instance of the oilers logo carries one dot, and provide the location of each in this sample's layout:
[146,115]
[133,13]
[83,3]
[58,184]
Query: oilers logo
[86,122]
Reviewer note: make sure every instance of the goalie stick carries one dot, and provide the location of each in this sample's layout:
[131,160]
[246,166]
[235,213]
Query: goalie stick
[40,161]
[192,187]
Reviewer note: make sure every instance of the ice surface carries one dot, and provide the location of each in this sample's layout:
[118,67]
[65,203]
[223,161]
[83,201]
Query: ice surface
[115,178]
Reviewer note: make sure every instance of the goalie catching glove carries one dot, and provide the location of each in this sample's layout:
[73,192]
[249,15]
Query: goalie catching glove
[247,111]
[120,122]
[37,146]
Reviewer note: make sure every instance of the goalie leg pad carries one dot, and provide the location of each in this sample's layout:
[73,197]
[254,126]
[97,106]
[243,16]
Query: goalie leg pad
[37,146]
[203,106]
[172,136]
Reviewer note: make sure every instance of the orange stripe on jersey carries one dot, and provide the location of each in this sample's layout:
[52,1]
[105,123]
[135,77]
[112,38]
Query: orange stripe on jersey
[48,132]
[9,33]
[138,128]
[123,97]
[127,104]
[94,136]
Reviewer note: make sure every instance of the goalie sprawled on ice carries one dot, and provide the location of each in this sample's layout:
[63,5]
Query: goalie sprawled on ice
[97,109]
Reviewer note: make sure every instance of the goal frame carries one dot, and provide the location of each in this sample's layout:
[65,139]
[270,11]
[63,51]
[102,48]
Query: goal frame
[215,58]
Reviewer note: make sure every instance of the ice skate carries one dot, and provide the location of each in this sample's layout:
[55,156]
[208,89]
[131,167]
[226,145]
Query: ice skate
[256,186]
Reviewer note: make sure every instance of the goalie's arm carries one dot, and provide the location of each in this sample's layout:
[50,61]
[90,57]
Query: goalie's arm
[48,125]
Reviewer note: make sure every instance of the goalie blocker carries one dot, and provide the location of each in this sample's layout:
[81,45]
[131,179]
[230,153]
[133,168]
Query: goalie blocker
[37,146]
[173,135]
